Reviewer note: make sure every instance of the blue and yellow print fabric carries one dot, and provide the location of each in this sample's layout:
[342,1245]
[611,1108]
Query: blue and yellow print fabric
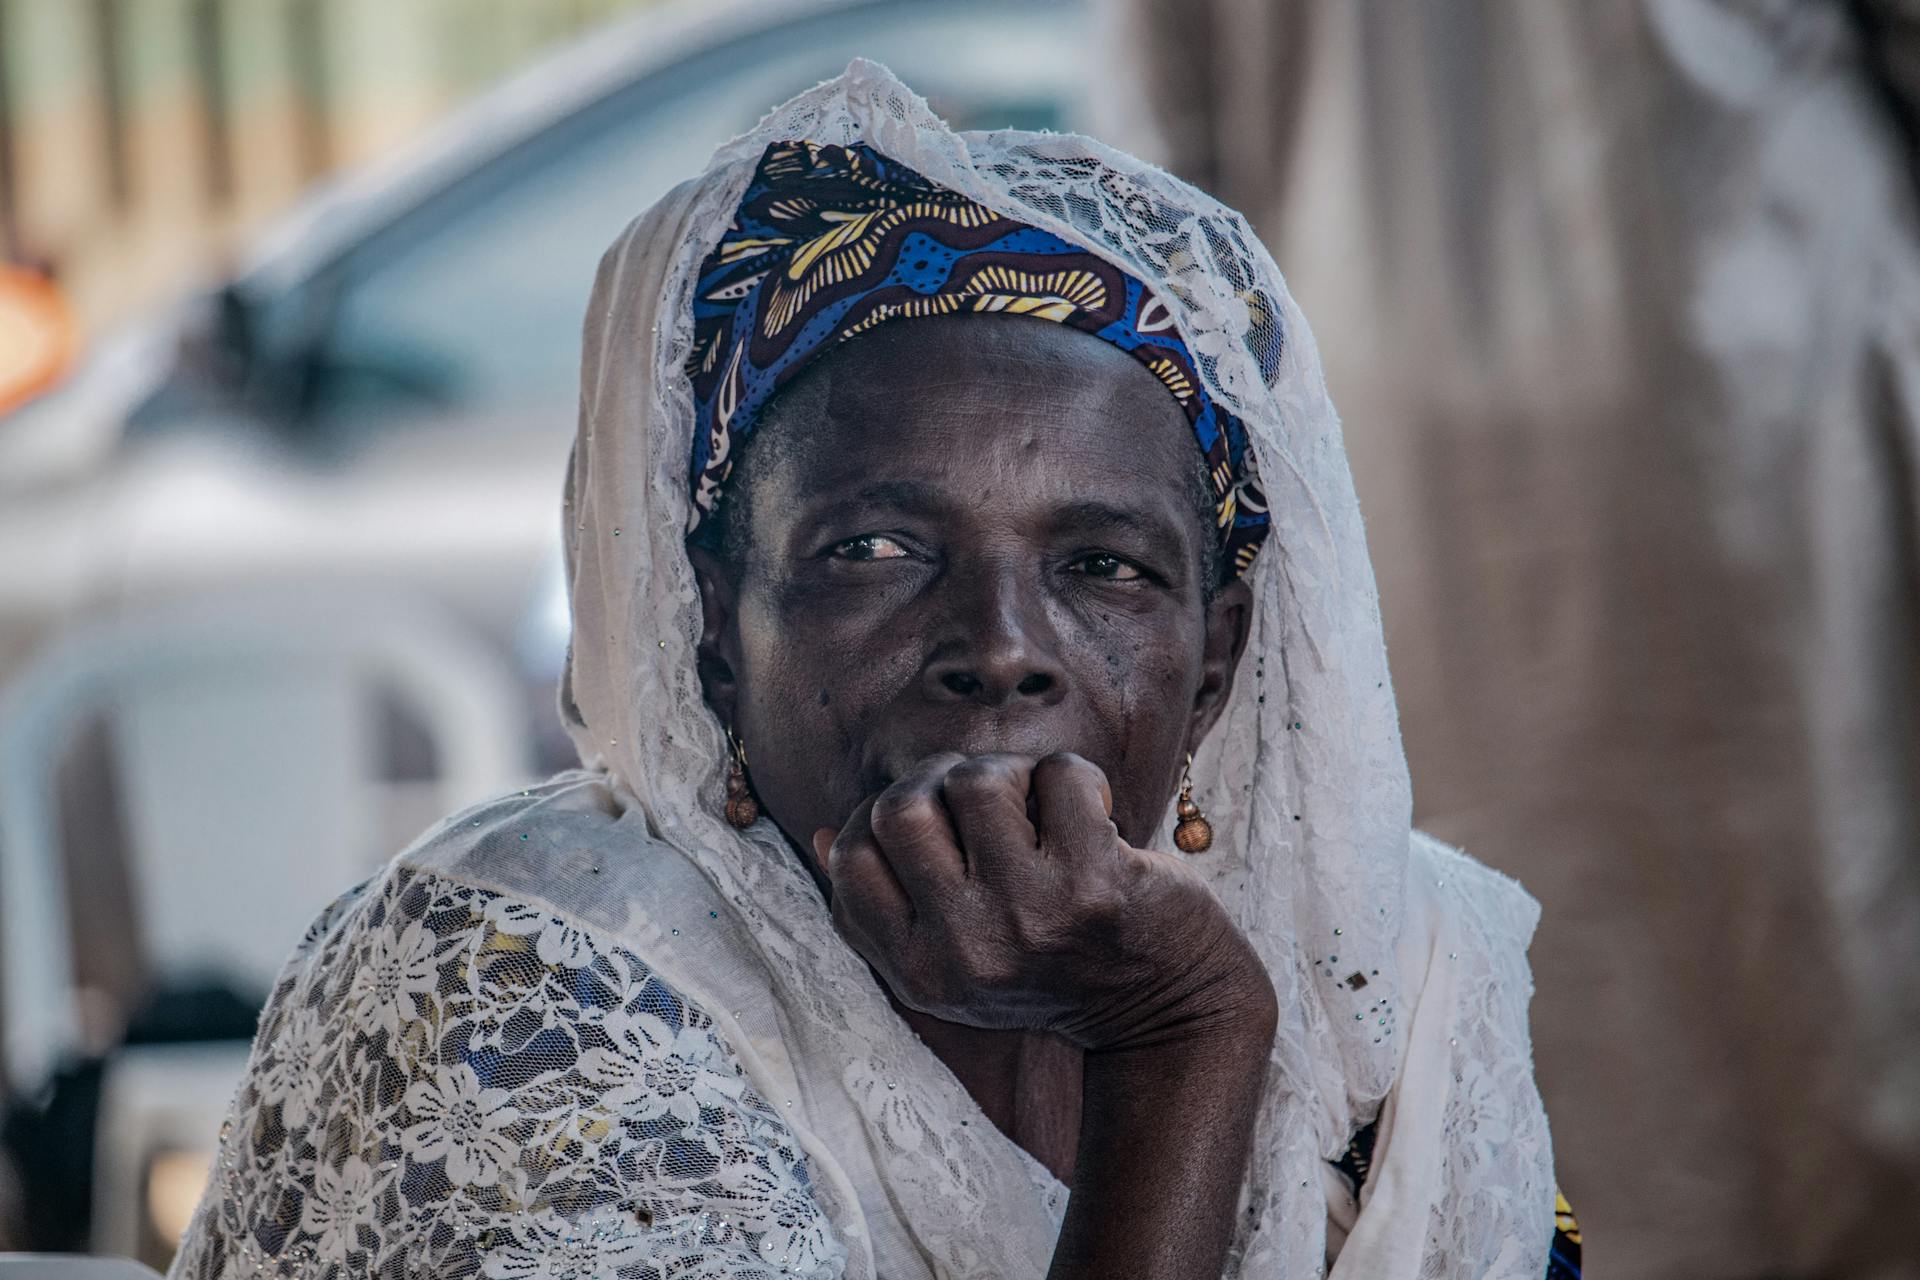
[830,241]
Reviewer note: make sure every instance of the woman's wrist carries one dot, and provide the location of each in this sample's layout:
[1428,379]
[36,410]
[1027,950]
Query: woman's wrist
[1223,1037]
[1238,1006]
[1165,1132]
[1225,1000]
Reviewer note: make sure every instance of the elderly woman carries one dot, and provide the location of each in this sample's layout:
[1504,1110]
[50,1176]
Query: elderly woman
[957,527]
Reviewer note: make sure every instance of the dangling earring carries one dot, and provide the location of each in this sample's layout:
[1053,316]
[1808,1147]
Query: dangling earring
[742,809]
[1195,833]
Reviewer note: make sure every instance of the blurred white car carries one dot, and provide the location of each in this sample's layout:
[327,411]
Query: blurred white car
[381,401]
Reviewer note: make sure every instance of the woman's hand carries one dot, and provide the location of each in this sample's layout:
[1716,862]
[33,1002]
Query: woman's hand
[995,891]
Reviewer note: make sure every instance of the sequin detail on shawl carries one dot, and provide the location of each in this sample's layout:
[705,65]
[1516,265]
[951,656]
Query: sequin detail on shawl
[830,241]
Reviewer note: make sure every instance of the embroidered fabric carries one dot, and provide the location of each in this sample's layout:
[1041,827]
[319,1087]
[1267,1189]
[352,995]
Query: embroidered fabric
[1400,966]
[452,1082]
[1497,1165]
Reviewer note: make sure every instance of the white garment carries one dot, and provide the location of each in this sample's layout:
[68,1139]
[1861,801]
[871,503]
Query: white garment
[822,1131]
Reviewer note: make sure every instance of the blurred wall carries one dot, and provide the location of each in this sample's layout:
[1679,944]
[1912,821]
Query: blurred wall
[1620,304]
[138,137]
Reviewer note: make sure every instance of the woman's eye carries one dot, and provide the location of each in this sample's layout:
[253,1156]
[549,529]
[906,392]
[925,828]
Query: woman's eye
[869,546]
[1110,567]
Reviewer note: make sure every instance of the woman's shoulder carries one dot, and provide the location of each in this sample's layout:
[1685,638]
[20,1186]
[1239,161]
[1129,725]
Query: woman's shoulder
[492,1069]
[487,898]
[1464,944]
[574,806]
[1468,1115]
[462,845]
[1449,891]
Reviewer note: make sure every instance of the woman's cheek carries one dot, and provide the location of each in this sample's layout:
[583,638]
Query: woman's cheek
[1148,719]
[1121,655]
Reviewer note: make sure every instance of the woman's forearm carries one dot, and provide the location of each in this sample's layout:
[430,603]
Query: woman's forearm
[1165,1133]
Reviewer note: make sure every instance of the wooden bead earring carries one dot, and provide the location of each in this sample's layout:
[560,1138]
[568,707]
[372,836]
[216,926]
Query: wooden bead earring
[1195,833]
[742,809]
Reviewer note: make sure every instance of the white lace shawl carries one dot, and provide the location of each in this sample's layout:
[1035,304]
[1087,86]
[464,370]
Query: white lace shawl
[593,1030]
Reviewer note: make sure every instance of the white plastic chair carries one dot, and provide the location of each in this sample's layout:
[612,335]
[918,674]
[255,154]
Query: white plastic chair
[161,1106]
[245,737]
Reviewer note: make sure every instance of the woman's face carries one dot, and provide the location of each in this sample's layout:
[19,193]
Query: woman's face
[968,534]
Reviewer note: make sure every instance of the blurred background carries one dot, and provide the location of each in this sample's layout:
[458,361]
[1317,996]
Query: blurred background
[1620,303]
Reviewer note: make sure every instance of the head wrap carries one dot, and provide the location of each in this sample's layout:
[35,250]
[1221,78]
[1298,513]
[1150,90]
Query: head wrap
[830,241]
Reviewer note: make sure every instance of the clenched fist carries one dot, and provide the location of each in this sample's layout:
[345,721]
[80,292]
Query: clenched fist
[996,892]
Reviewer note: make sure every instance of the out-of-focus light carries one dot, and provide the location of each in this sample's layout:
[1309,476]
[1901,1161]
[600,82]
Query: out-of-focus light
[175,1180]
[547,625]
[36,335]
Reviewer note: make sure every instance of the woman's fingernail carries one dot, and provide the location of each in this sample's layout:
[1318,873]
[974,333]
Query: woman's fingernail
[823,845]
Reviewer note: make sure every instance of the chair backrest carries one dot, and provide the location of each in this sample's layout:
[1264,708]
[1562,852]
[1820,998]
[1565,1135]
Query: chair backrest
[71,1266]
[155,1140]
[245,742]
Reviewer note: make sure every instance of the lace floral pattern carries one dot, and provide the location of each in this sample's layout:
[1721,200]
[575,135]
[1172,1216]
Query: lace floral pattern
[451,1083]
[1498,1169]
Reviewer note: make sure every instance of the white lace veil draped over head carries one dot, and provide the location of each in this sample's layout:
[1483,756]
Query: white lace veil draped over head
[1303,778]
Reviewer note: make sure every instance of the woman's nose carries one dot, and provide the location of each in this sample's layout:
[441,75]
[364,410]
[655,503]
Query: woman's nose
[999,648]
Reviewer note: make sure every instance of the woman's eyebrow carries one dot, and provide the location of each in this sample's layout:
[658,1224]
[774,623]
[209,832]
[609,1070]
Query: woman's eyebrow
[912,496]
[1090,514]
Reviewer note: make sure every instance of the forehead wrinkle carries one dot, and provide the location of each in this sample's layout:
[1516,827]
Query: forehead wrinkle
[1014,392]
[999,379]
[1085,415]
[963,379]
[1082,489]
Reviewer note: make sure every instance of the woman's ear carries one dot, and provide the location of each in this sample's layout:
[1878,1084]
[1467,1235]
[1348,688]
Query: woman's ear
[719,650]
[1229,620]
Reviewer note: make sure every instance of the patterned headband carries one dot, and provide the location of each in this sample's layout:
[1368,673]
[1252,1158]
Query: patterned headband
[831,241]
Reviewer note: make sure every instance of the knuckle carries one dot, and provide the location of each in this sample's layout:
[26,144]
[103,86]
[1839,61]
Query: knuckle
[850,853]
[974,780]
[1034,936]
[901,814]
[1065,772]
[976,970]
[1066,764]
[1102,905]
